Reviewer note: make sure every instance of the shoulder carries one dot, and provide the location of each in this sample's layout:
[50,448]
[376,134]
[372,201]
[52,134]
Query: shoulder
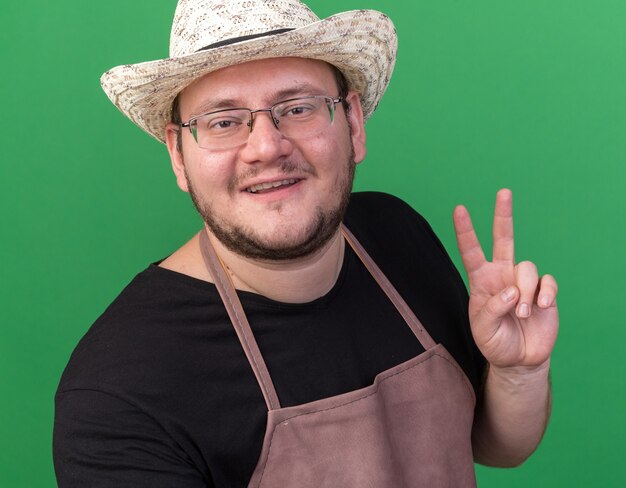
[405,247]
[375,206]
[387,226]
[148,327]
[152,365]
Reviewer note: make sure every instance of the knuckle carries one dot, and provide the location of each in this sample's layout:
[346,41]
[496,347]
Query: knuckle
[527,266]
[549,281]
[493,308]
[526,273]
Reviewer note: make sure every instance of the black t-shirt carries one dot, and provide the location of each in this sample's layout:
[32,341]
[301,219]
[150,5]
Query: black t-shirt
[159,391]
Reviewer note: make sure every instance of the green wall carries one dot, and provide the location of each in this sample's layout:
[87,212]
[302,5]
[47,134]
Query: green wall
[528,95]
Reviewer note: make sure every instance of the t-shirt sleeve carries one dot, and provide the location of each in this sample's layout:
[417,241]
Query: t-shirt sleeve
[103,441]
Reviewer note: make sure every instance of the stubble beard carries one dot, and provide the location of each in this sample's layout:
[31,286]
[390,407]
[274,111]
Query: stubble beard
[244,242]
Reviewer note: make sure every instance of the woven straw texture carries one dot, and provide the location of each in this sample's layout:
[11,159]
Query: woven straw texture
[361,43]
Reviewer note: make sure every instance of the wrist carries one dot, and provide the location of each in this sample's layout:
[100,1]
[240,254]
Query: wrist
[520,376]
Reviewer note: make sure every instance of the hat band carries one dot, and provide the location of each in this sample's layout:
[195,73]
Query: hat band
[244,38]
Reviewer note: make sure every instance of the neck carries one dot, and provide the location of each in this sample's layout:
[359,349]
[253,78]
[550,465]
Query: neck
[295,281]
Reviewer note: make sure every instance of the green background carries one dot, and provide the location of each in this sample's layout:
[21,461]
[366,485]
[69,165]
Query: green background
[486,94]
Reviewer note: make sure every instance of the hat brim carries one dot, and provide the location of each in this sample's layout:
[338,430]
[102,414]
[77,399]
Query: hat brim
[361,43]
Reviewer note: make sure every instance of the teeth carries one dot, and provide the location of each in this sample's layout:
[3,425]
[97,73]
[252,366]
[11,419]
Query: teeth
[267,186]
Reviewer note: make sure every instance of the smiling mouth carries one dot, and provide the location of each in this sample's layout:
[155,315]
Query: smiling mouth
[270,186]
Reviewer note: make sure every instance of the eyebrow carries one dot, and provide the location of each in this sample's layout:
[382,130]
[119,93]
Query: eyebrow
[301,89]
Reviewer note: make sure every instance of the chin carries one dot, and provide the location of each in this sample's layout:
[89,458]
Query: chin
[279,244]
[279,239]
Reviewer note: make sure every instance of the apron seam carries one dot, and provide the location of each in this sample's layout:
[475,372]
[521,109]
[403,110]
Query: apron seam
[455,366]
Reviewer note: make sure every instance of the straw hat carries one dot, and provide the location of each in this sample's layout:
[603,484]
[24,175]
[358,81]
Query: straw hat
[211,34]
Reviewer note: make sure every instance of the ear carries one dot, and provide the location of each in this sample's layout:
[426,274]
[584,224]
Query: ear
[355,115]
[176,156]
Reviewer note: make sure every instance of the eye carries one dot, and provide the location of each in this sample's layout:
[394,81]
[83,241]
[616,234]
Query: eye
[302,109]
[222,123]
[297,110]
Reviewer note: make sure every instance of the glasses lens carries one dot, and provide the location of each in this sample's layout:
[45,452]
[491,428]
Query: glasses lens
[301,117]
[297,117]
[223,129]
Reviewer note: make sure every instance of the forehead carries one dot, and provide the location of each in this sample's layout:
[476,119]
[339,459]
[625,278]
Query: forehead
[259,82]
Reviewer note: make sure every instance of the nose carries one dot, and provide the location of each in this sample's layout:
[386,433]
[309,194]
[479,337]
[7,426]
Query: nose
[254,113]
[265,142]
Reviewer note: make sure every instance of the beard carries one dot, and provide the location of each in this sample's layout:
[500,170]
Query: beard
[246,243]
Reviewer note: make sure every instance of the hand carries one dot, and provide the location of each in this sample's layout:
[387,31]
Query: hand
[513,313]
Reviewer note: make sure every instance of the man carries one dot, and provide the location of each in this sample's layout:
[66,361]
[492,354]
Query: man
[281,346]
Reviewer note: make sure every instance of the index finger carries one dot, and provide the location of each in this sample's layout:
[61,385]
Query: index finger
[470,249]
[503,241]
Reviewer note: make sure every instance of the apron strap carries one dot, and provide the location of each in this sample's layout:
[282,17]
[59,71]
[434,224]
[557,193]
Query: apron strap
[407,314]
[241,325]
[238,318]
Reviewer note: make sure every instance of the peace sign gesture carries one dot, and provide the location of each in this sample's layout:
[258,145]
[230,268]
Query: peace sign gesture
[512,311]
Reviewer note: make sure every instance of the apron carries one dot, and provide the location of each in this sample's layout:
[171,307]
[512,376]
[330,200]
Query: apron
[410,428]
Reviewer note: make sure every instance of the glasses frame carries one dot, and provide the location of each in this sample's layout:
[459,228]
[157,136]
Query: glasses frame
[331,103]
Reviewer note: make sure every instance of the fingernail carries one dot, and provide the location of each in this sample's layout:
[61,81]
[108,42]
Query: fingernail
[508,294]
[523,311]
[544,301]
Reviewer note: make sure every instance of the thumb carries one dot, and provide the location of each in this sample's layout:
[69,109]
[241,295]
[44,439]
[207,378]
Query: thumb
[487,321]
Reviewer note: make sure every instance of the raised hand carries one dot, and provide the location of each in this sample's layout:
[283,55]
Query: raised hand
[512,311]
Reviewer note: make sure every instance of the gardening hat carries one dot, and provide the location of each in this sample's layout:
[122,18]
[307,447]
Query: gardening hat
[208,35]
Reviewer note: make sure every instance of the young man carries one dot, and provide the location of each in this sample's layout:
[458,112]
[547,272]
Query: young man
[281,346]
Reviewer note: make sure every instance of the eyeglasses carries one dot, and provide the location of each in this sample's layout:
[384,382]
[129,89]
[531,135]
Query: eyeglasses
[294,118]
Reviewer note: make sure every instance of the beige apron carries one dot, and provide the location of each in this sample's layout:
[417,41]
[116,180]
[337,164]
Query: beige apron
[410,428]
